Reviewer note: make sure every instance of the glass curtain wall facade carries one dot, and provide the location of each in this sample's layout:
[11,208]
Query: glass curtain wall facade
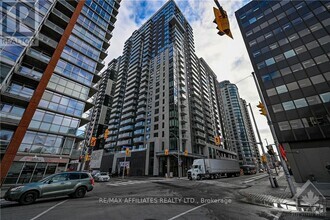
[153,107]
[235,127]
[288,43]
[48,142]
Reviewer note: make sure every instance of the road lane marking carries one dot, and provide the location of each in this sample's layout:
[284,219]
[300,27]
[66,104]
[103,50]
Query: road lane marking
[255,178]
[190,210]
[131,182]
[44,212]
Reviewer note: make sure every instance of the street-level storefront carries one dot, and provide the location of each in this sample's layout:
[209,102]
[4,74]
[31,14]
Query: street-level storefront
[27,169]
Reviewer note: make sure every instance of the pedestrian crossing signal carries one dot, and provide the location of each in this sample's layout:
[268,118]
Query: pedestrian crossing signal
[186,152]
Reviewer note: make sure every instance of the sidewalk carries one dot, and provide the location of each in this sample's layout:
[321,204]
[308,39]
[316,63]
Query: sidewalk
[261,193]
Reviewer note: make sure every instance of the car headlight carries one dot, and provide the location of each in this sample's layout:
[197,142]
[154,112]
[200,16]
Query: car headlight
[16,188]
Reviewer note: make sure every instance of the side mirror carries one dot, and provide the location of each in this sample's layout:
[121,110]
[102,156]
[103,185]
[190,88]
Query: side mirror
[50,181]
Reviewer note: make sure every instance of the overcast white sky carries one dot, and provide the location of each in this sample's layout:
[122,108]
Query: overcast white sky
[228,58]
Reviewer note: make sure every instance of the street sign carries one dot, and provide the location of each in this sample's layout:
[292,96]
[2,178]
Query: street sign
[124,164]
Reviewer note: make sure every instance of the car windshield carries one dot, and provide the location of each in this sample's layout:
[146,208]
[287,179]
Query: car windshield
[103,174]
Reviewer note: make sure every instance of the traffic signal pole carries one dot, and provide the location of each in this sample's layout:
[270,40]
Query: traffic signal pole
[285,168]
[263,150]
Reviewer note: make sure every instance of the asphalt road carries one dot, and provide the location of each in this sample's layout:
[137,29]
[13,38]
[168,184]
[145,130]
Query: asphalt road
[148,199]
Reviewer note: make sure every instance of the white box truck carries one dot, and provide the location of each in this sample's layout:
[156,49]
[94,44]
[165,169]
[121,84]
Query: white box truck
[213,168]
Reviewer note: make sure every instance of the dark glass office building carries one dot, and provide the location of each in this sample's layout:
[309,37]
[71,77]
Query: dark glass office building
[289,46]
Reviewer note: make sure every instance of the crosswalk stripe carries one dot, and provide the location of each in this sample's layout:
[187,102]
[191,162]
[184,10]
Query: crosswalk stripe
[131,182]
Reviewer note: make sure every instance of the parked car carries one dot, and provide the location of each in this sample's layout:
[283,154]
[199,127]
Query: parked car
[73,184]
[94,172]
[103,176]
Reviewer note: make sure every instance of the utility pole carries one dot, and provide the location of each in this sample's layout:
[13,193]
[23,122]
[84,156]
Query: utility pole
[285,168]
[263,150]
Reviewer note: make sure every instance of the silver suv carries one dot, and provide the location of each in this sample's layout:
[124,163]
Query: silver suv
[73,184]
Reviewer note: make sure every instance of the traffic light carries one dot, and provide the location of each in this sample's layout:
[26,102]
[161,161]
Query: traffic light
[166,152]
[186,152]
[106,133]
[128,152]
[221,19]
[217,140]
[264,158]
[93,142]
[87,157]
[262,109]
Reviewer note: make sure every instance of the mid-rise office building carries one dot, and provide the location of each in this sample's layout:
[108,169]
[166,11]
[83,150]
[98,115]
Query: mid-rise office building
[47,81]
[289,46]
[165,99]
[237,130]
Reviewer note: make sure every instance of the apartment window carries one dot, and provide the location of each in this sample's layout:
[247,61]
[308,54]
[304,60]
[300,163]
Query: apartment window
[156,110]
[270,61]
[304,32]
[281,89]
[273,46]
[324,40]
[156,134]
[284,126]
[292,86]
[312,45]
[156,119]
[163,134]
[288,105]
[277,108]
[327,75]
[296,124]
[279,58]
[300,103]
[285,71]
[156,127]
[283,41]
[300,49]
[304,83]
[321,59]
[317,79]
[293,37]
[308,63]
[289,54]
[296,67]
[325,97]
[313,100]
[271,92]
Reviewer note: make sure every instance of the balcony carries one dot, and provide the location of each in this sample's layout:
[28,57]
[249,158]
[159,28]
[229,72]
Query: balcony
[138,140]
[125,135]
[125,142]
[201,142]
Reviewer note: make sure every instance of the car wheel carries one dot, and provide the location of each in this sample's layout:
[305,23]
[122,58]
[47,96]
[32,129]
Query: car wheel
[80,192]
[189,178]
[199,177]
[28,198]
